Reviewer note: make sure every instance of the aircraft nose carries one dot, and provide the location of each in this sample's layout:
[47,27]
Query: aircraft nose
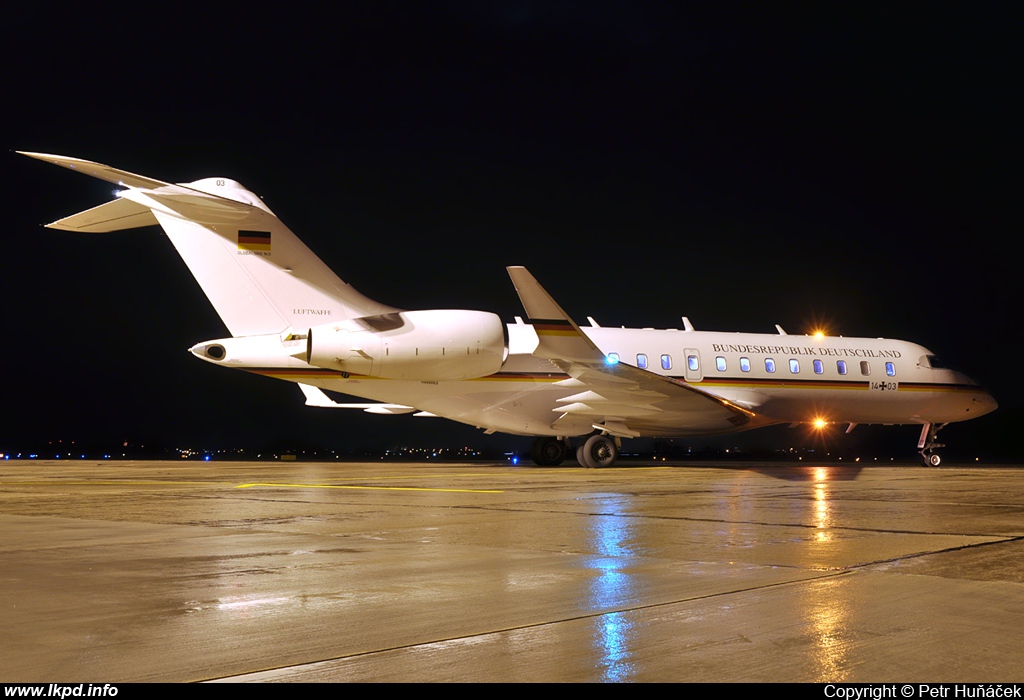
[983,403]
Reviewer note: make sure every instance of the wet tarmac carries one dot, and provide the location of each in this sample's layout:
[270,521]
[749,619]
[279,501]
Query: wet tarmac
[187,571]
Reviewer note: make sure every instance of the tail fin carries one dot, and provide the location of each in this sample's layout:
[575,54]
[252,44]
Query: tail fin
[258,275]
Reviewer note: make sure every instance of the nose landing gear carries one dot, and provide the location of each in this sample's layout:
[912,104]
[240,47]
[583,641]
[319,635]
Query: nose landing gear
[928,443]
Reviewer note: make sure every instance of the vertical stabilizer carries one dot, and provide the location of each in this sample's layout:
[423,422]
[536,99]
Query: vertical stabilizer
[258,275]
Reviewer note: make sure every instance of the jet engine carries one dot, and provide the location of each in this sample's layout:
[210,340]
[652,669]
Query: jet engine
[435,345]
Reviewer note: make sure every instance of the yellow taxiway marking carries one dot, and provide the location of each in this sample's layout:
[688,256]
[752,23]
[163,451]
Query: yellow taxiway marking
[365,488]
[57,481]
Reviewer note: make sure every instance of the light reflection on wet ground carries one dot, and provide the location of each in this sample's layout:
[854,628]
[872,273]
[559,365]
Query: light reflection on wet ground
[172,571]
[612,587]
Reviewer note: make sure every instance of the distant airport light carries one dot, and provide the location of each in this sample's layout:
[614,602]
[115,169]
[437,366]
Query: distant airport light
[820,423]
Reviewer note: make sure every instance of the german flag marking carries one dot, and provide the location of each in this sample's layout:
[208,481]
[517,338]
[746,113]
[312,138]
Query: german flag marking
[254,240]
[553,327]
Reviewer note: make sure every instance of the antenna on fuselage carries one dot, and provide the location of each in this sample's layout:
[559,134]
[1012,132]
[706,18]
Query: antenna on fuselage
[779,329]
[686,324]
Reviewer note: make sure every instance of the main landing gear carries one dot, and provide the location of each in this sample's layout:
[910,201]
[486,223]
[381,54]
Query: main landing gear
[548,451]
[596,451]
[927,444]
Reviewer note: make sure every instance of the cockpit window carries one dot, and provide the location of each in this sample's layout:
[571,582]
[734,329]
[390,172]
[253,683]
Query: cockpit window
[932,361]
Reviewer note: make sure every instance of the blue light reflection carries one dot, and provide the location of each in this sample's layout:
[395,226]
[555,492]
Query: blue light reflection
[613,587]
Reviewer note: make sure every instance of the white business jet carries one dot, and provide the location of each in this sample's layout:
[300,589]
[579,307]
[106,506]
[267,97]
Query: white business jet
[290,317]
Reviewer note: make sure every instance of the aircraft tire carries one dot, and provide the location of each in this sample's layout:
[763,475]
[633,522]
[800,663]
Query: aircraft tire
[600,451]
[548,451]
[931,459]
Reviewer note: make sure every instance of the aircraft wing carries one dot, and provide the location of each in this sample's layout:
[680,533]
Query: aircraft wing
[614,394]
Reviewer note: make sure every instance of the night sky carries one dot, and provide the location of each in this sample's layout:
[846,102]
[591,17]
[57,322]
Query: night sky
[743,167]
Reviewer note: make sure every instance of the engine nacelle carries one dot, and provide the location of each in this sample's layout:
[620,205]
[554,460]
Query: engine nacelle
[434,345]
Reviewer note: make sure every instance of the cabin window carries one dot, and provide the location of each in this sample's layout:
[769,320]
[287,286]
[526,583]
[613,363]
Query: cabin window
[612,358]
[890,369]
[865,367]
[744,364]
[819,367]
[720,363]
[769,364]
[841,366]
[666,362]
[692,363]
[794,366]
[641,361]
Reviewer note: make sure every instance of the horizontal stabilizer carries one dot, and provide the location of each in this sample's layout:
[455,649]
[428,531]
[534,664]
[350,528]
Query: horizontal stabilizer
[112,216]
[98,170]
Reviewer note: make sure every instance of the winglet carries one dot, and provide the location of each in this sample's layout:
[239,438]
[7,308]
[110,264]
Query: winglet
[536,301]
[559,336]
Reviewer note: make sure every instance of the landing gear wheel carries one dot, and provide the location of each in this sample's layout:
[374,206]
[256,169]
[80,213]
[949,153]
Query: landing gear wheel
[600,451]
[548,451]
[580,452]
[928,442]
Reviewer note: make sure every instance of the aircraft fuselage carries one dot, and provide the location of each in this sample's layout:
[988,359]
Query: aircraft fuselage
[779,378]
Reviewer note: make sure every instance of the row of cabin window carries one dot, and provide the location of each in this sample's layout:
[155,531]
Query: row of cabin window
[693,364]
